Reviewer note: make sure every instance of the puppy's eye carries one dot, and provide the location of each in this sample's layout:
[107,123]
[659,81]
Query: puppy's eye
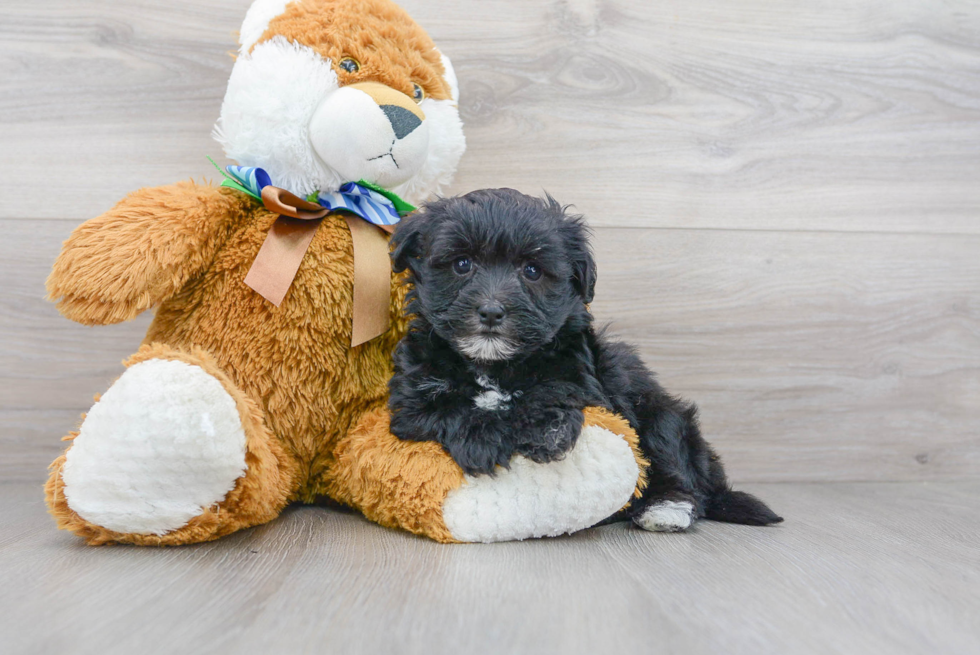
[532,271]
[349,64]
[462,265]
[417,93]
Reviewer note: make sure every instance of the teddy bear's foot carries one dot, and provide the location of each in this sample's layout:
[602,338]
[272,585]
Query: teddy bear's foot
[594,481]
[166,445]
[416,485]
[162,443]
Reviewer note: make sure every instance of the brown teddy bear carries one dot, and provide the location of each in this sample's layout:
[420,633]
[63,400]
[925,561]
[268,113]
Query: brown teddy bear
[263,377]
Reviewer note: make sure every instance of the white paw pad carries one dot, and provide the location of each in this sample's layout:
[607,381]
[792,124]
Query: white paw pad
[593,482]
[667,516]
[163,443]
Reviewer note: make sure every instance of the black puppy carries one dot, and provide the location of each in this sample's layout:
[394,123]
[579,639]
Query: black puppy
[502,356]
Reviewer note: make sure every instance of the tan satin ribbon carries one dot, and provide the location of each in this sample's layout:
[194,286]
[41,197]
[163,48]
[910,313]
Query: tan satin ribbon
[282,252]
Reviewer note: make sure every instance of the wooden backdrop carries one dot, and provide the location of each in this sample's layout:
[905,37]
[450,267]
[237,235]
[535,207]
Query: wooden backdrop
[785,199]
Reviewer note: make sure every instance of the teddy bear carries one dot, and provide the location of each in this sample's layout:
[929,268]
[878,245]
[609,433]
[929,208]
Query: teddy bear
[262,380]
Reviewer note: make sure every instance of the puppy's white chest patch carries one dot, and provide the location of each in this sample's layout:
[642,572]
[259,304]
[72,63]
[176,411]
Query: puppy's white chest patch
[492,398]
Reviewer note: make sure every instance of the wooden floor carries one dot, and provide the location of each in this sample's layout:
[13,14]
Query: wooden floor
[786,200]
[857,568]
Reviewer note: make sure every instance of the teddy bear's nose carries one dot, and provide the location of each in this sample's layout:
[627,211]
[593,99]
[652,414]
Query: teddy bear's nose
[402,120]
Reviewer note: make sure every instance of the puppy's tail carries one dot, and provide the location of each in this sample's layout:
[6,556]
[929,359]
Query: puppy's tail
[739,507]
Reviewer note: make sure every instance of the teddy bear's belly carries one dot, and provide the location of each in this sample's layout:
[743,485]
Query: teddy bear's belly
[293,360]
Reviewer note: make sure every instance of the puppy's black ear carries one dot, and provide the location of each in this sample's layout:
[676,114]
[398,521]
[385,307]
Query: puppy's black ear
[576,235]
[584,276]
[406,242]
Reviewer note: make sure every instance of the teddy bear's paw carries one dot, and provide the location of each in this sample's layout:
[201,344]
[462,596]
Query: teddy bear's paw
[163,443]
[667,516]
[594,481]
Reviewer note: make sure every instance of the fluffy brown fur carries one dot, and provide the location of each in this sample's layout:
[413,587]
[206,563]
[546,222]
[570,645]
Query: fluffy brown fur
[113,267]
[390,47]
[291,368]
[295,360]
[399,484]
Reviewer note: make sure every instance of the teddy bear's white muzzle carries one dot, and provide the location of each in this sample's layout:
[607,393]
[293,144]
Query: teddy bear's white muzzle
[362,140]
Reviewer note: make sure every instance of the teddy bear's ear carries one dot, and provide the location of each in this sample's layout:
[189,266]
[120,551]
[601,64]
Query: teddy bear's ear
[450,76]
[257,19]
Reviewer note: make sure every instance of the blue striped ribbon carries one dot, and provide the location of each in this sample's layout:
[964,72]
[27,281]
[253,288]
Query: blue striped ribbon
[369,205]
[353,197]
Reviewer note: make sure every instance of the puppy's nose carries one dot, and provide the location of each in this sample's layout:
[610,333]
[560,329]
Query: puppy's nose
[403,122]
[491,314]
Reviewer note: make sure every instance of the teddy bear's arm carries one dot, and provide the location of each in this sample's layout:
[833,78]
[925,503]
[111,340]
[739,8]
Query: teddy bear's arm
[141,251]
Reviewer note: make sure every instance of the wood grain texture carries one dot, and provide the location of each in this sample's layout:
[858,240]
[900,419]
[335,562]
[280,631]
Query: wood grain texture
[30,441]
[46,361]
[816,356]
[749,115]
[813,356]
[856,568]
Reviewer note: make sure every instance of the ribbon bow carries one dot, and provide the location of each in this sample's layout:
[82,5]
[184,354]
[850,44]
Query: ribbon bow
[369,201]
[279,258]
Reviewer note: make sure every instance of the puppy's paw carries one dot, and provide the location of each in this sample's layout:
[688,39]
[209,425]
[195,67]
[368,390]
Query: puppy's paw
[667,516]
[551,436]
[478,457]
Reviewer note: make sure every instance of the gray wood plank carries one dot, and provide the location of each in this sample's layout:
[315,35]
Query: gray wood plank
[857,568]
[813,356]
[749,115]
[46,361]
[30,440]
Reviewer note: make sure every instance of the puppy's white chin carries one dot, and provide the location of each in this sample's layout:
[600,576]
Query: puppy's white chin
[487,348]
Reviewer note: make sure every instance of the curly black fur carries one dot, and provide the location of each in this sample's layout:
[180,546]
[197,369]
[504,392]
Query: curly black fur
[502,355]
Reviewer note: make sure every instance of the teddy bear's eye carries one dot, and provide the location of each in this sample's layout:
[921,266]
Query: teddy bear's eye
[462,265]
[350,64]
[417,93]
[532,271]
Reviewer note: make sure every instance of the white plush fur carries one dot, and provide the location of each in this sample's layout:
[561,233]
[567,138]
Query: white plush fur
[450,76]
[266,113]
[257,21]
[274,93]
[446,147]
[667,516]
[350,131]
[164,442]
[594,481]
